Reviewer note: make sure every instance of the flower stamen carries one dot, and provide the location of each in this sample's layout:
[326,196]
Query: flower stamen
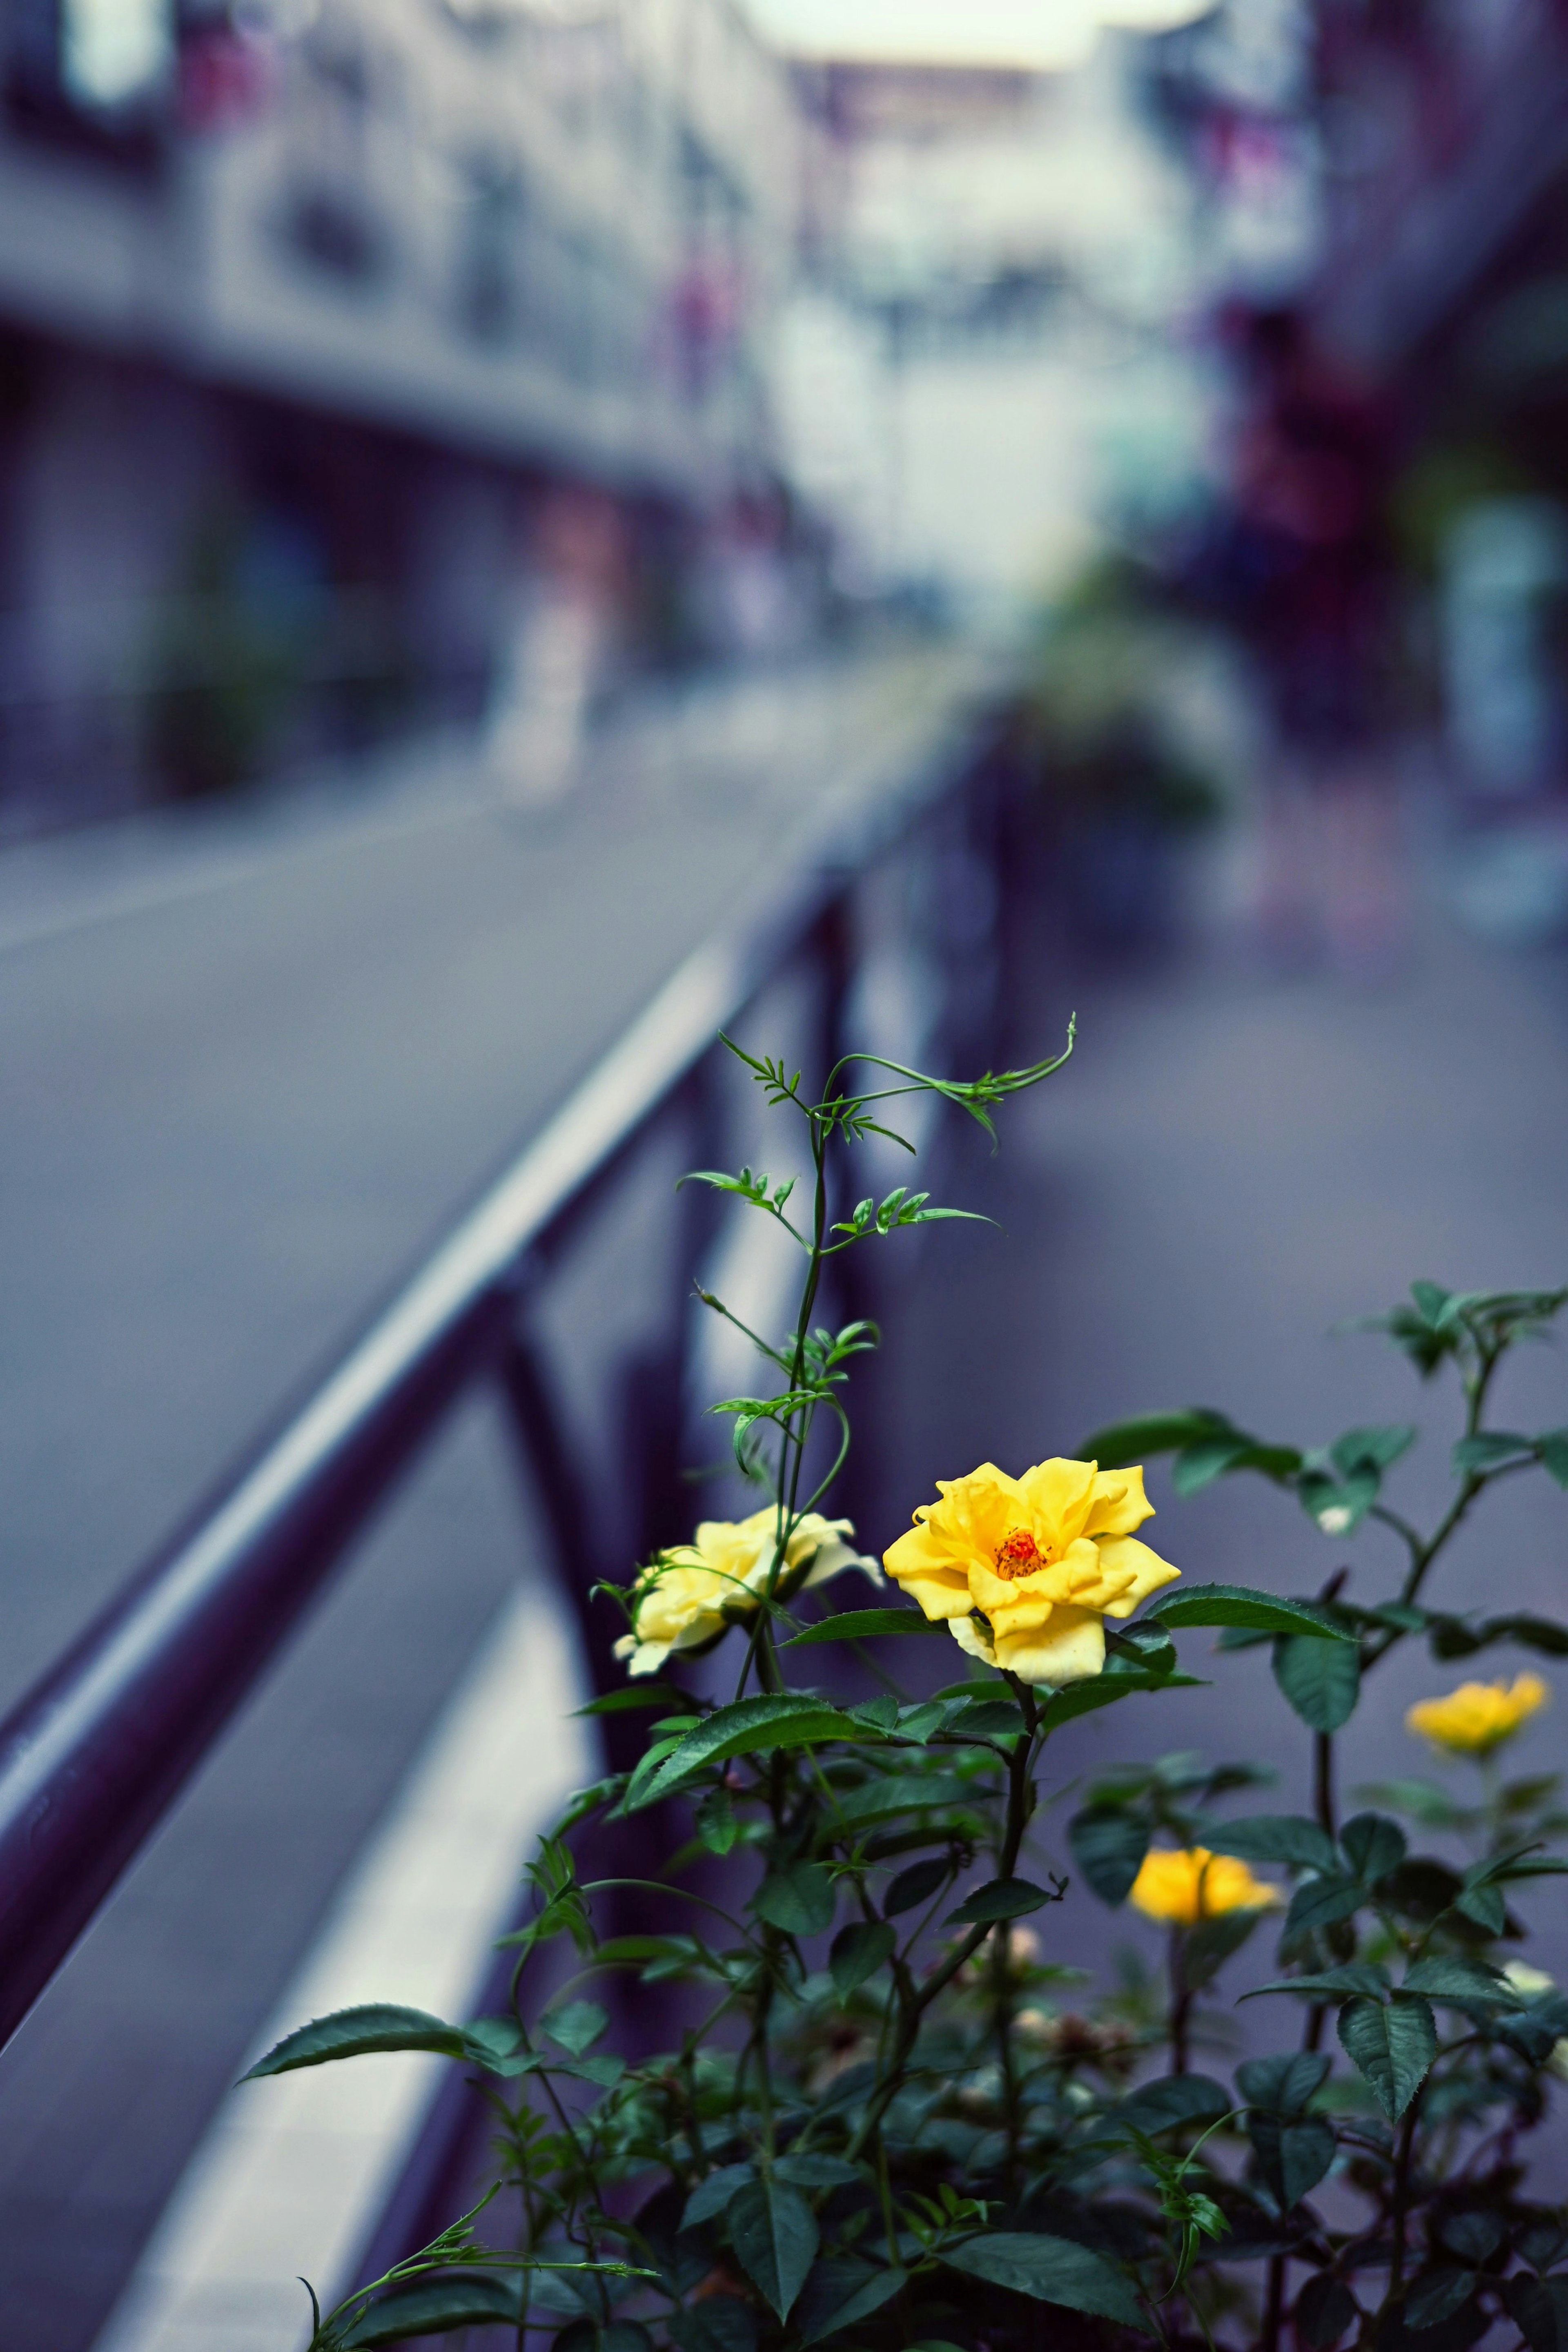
[1018,1554]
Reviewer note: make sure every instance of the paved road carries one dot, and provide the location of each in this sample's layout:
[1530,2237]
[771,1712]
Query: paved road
[253,1059]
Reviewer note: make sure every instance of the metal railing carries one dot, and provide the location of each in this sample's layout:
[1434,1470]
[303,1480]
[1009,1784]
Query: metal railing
[94,1757]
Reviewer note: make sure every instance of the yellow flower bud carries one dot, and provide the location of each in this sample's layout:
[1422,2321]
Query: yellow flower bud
[1478,1716]
[688,1597]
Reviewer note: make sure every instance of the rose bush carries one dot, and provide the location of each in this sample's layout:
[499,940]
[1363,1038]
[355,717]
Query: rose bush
[886,2121]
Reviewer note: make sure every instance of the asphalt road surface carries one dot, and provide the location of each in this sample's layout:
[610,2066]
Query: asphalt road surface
[253,1058]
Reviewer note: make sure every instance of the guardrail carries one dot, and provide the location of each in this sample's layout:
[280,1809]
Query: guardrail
[94,1757]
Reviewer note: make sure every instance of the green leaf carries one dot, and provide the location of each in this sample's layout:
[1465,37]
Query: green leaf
[907,1792]
[1289,1838]
[713,2196]
[1109,1843]
[1170,2100]
[1002,1898]
[1285,2084]
[1373,1846]
[915,1885]
[986,1718]
[576,2027]
[1122,1442]
[774,2233]
[1436,2296]
[435,2307]
[1332,1984]
[1207,1947]
[865,1625]
[1238,1604]
[1376,1449]
[1293,2154]
[1553,1452]
[1117,1682]
[716,1824]
[839,2294]
[1392,2045]
[637,1694]
[720,2323]
[1325,2307]
[858,1950]
[798,1898]
[1321,1680]
[1488,1450]
[357,2032]
[1322,1903]
[1050,2270]
[811,2171]
[1466,1983]
[772,1720]
[1538,2309]
[1337,1505]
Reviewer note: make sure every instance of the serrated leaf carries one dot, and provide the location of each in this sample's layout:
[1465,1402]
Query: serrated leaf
[1538,2309]
[797,1898]
[1467,1983]
[1392,2045]
[720,2323]
[1002,1898]
[986,1718]
[1109,1843]
[1293,2154]
[1239,1605]
[1107,1689]
[1321,1680]
[748,1727]
[864,1625]
[1288,1838]
[858,1952]
[774,2233]
[1049,2270]
[358,2033]
[1332,1984]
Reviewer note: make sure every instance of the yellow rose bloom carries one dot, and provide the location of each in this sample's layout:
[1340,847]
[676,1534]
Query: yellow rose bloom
[1182,1888]
[1026,1570]
[688,1596]
[1478,1716]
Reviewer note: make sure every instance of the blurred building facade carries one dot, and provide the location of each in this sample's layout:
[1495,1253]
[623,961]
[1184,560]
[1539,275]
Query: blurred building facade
[308,311]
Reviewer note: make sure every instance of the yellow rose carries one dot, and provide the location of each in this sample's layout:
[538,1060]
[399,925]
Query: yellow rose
[1181,1888]
[1478,1716]
[688,1596]
[1027,1570]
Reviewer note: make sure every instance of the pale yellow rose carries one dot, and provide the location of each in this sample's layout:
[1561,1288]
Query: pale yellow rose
[688,1596]
[1478,1716]
[1026,1570]
[1191,1884]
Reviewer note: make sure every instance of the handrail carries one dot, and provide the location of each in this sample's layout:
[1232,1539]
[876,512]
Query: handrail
[94,1756]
